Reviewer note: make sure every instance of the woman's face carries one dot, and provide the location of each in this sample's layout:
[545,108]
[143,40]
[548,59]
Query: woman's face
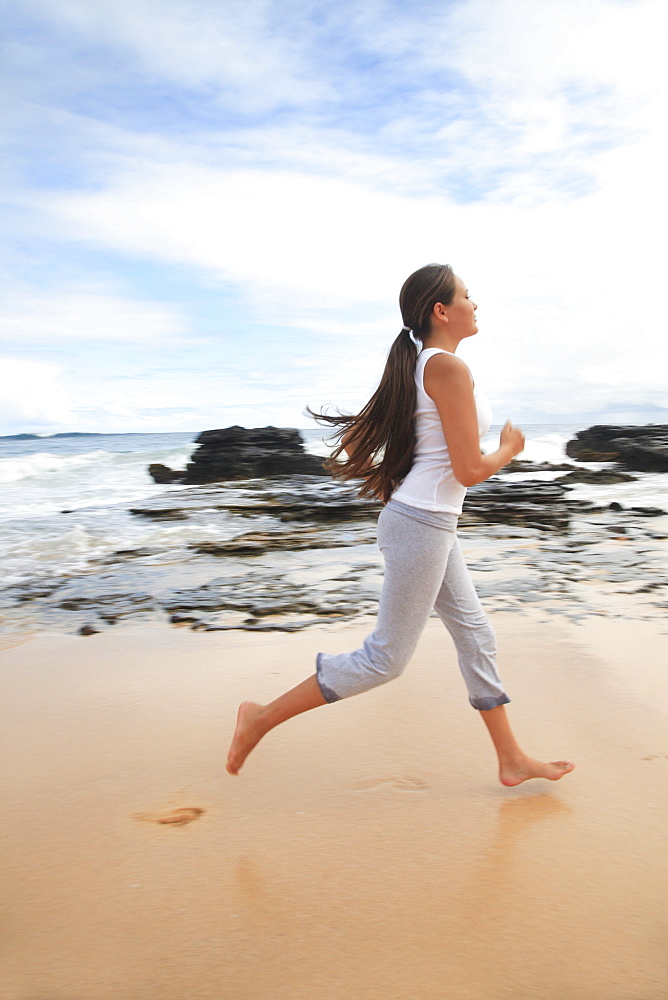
[461,312]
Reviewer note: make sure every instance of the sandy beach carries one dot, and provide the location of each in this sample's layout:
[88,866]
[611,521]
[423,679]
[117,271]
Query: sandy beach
[365,851]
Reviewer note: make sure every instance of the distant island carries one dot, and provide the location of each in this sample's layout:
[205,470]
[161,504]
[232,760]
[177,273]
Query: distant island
[46,437]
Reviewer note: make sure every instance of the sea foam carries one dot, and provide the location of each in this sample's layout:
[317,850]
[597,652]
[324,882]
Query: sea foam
[42,463]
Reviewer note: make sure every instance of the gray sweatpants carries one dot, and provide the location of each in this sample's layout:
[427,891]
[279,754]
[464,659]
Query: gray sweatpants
[424,570]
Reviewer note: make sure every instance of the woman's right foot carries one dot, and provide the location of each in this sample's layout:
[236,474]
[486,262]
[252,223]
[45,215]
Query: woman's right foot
[526,768]
[248,733]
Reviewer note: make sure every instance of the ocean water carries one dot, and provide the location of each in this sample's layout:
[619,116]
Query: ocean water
[64,500]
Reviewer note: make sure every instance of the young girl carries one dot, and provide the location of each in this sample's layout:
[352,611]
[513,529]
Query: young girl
[416,446]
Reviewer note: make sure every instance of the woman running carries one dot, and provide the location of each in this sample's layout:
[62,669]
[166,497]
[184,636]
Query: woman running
[416,447]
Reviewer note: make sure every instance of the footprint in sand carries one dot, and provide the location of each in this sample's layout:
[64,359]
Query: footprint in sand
[175,817]
[402,784]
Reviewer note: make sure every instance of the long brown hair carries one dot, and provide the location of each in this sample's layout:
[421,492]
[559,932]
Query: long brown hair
[382,435]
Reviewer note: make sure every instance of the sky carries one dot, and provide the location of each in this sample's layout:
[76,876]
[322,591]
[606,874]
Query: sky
[209,206]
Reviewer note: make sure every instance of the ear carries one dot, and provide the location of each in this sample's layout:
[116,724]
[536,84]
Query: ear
[440,312]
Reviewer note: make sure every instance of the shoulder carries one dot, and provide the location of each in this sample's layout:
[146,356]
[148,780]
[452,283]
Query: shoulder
[448,368]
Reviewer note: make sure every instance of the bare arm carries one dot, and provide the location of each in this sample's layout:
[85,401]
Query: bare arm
[352,448]
[448,382]
[346,442]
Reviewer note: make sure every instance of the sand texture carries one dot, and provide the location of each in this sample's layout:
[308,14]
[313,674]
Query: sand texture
[365,851]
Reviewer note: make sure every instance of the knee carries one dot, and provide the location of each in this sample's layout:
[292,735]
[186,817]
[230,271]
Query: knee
[476,630]
[386,664]
[483,637]
[485,634]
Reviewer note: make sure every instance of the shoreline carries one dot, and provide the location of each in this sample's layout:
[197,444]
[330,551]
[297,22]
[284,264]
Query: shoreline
[294,552]
[266,574]
[366,849]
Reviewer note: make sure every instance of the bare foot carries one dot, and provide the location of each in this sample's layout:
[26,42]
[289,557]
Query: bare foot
[523,770]
[247,734]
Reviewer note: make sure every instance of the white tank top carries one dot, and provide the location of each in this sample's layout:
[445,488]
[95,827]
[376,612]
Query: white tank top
[431,484]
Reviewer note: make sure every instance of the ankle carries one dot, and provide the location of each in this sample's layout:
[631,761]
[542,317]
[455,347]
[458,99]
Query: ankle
[266,719]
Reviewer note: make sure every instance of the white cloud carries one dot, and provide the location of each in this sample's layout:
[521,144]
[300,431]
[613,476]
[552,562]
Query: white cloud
[238,48]
[508,78]
[51,318]
[31,396]
[556,284]
[522,141]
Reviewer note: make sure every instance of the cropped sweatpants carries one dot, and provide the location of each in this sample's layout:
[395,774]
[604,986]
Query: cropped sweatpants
[424,571]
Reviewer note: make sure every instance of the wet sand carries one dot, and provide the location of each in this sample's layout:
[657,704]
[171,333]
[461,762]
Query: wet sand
[365,851]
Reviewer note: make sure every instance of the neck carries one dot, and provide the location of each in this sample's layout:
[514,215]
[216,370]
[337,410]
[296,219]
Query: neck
[442,339]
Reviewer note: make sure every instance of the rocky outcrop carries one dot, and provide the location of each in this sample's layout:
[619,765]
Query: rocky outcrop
[523,465]
[315,499]
[640,448]
[597,477]
[163,474]
[320,501]
[236,453]
[532,503]
[295,551]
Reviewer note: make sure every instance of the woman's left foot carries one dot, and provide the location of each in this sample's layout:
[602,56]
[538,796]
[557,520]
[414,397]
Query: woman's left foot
[247,735]
[527,768]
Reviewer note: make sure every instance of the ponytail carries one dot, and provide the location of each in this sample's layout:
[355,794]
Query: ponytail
[383,428]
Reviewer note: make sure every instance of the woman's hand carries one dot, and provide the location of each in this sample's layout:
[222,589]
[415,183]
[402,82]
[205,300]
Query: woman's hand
[512,438]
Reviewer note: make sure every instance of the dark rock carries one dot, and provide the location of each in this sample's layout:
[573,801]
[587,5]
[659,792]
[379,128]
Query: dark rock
[348,510]
[251,626]
[32,591]
[256,542]
[290,498]
[115,604]
[320,501]
[123,555]
[235,453]
[77,603]
[211,598]
[533,504]
[532,491]
[597,477]
[163,474]
[88,630]
[132,553]
[160,513]
[641,448]
[524,465]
